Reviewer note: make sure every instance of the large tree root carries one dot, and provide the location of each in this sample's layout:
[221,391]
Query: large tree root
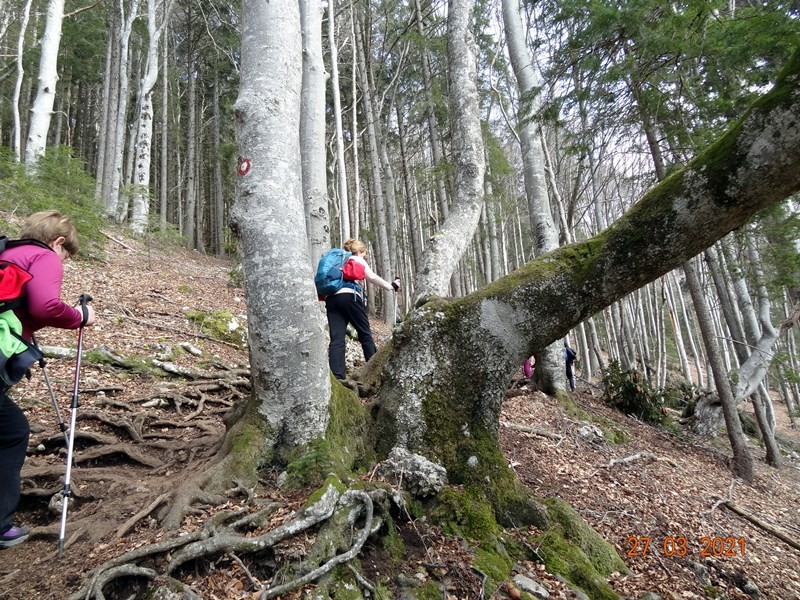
[223,534]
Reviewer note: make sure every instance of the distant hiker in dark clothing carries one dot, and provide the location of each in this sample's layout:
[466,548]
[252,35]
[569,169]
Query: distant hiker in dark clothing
[348,306]
[42,308]
[569,357]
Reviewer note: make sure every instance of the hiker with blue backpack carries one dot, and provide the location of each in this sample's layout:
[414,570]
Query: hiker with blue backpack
[48,239]
[344,271]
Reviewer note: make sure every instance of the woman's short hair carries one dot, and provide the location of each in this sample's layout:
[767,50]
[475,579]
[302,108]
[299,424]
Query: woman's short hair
[49,225]
[353,245]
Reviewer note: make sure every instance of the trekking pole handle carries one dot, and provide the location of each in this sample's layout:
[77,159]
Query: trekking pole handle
[84,301]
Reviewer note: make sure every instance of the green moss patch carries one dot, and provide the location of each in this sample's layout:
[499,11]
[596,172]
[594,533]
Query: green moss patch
[343,449]
[220,325]
[571,548]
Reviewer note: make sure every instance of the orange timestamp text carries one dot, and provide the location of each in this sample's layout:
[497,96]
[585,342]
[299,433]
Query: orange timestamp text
[718,547]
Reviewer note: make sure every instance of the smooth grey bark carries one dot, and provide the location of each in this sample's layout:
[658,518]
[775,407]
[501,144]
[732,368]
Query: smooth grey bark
[23,28]
[742,460]
[312,131]
[451,240]
[374,142]
[144,134]
[430,117]
[288,356]
[354,130]
[412,205]
[120,112]
[341,169]
[109,95]
[42,108]
[452,361]
[677,331]
[550,364]
[190,217]
[164,179]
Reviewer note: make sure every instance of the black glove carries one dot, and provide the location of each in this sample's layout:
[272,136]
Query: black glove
[396,284]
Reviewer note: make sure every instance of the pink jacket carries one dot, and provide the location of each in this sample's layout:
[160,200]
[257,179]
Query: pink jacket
[43,293]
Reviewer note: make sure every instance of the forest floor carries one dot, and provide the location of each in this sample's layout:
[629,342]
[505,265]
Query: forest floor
[658,497]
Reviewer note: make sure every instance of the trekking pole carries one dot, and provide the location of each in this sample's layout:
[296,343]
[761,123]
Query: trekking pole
[65,495]
[61,425]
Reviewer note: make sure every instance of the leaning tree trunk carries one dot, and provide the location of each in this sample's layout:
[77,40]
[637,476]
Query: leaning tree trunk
[451,362]
[742,460]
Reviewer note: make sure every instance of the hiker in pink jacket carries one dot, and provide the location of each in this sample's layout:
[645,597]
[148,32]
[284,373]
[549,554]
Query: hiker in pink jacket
[52,240]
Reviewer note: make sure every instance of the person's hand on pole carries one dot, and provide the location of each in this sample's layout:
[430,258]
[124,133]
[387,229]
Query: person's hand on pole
[86,309]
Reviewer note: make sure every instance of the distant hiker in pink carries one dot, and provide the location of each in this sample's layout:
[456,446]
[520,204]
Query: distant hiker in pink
[48,239]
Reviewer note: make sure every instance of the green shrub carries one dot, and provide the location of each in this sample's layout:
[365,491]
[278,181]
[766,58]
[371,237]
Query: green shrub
[630,393]
[60,183]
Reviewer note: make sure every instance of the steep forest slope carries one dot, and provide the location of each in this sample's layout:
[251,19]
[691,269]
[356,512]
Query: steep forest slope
[664,499]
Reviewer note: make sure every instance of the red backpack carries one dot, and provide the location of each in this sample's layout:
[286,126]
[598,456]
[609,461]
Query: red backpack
[353,270]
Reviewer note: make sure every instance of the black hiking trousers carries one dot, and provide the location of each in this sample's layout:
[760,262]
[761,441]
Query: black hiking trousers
[343,309]
[14,433]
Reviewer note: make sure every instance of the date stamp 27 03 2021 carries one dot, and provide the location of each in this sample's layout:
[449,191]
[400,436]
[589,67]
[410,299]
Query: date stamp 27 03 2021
[681,545]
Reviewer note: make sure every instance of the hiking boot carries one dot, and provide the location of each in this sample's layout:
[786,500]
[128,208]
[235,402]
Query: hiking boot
[13,536]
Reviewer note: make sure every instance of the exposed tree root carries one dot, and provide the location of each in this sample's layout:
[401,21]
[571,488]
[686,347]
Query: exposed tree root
[272,592]
[532,430]
[222,535]
[130,523]
[638,456]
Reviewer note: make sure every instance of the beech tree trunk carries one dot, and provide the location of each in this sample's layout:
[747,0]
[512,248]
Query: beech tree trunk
[742,460]
[42,109]
[312,131]
[450,242]
[144,134]
[550,364]
[288,354]
[23,28]
[452,361]
[341,170]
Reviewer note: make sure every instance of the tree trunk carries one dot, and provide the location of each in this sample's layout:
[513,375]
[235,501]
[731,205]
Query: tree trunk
[190,216]
[742,461]
[165,160]
[379,200]
[120,119]
[457,358]
[42,109]
[341,170]
[144,134]
[23,28]
[312,131]
[549,366]
[450,242]
[430,116]
[218,220]
[288,357]
[108,100]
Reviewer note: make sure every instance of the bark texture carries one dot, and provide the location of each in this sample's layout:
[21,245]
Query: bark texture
[450,242]
[291,385]
[452,361]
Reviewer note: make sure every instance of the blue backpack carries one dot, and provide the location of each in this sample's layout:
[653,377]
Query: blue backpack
[329,278]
